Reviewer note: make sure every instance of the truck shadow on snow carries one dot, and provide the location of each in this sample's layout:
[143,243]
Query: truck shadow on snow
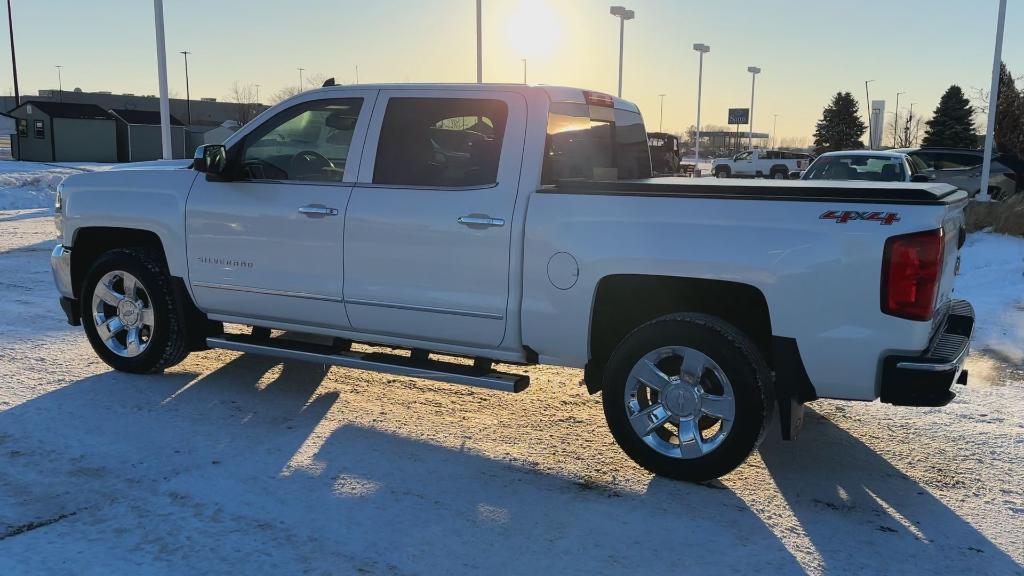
[254,445]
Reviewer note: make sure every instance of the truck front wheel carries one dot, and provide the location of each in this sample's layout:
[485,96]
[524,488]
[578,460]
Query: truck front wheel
[130,314]
[687,396]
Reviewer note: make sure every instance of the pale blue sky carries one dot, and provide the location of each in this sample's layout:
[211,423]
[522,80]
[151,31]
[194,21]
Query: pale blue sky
[807,49]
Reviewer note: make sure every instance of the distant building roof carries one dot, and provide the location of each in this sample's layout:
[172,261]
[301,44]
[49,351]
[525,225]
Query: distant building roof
[69,110]
[147,117]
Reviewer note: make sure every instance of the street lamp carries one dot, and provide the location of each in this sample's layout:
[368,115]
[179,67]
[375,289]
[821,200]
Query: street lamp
[775,121]
[524,70]
[702,49]
[754,71]
[622,14]
[867,97]
[257,94]
[188,98]
[896,120]
[14,61]
[993,99]
[60,85]
[661,114]
[300,78]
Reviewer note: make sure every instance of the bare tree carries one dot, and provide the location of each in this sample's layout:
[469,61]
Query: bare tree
[309,82]
[906,134]
[244,98]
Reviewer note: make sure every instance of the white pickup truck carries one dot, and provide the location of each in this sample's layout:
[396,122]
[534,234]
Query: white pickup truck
[758,163]
[464,225]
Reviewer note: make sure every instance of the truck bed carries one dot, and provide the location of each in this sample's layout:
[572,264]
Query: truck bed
[795,190]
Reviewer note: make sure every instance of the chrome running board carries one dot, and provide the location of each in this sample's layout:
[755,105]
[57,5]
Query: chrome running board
[467,374]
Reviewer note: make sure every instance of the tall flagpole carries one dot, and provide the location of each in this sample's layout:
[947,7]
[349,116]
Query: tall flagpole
[993,101]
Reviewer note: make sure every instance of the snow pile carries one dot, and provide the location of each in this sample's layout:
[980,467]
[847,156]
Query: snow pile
[992,279]
[25,185]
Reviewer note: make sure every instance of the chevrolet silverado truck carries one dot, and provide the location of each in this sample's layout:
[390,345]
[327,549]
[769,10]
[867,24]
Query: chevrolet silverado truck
[464,226]
[758,163]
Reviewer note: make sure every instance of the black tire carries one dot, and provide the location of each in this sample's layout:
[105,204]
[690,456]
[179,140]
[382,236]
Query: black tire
[722,173]
[742,364]
[780,175]
[167,344]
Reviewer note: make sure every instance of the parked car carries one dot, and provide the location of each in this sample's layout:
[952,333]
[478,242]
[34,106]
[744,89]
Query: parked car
[962,168]
[757,163]
[664,152]
[532,233]
[867,166]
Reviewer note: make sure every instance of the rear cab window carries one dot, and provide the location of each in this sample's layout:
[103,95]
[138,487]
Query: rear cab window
[594,143]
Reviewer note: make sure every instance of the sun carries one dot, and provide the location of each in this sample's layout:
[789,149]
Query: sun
[532,28]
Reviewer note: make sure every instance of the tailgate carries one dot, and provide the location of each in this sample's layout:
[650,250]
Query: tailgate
[955,234]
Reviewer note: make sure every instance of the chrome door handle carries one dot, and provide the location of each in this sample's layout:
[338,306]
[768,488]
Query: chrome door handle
[480,221]
[318,211]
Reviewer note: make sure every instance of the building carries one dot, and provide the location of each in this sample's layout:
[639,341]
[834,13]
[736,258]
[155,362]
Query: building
[64,132]
[139,137]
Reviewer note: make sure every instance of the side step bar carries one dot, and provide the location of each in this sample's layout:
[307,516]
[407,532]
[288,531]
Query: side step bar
[467,374]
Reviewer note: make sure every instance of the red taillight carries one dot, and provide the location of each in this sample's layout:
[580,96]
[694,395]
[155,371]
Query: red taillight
[598,99]
[911,269]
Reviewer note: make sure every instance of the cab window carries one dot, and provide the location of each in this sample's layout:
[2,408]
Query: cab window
[308,142]
[440,142]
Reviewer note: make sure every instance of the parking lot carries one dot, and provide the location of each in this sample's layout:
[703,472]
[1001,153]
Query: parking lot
[238,464]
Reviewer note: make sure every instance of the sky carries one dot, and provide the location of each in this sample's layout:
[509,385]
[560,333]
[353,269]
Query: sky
[807,50]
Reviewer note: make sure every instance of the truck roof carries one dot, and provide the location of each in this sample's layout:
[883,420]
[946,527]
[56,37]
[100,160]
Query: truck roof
[553,93]
[791,190]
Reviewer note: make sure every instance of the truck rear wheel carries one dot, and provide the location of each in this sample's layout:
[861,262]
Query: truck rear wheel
[687,396]
[130,314]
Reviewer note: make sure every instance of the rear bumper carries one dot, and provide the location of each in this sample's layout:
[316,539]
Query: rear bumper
[926,379]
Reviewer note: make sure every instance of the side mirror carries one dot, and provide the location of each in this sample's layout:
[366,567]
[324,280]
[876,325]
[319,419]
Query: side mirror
[210,158]
[921,177]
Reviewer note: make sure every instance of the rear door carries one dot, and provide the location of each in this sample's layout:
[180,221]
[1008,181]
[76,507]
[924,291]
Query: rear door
[428,227]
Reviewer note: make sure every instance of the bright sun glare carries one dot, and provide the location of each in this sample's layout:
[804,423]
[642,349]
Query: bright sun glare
[532,28]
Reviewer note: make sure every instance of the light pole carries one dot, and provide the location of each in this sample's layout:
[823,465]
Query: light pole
[479,46]
[622,14]
[300,78]
[661,113]
[524,70]
[14,61]
[161,66]
[775,121]
[257,94]
[357,73]
[188,98]
[754,71]
[60,84]
[993,100]
[896,120]
[702,49]
[867,100]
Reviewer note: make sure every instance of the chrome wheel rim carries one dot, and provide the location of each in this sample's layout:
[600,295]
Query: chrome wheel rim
[680,402]
[123,313]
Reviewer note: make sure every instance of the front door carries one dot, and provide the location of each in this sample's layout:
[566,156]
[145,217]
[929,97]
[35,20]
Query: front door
[744,163]
[428,228]
[267,244]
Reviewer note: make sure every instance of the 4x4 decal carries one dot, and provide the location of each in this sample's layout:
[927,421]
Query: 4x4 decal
[844,216]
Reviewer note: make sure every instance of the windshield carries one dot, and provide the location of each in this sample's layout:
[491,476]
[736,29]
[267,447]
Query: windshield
[857,167]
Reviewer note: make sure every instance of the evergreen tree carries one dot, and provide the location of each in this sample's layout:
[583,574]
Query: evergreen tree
[952,123]
[840,127]
[1009,131]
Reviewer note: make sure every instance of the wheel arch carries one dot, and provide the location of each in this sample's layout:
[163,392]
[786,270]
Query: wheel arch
[623,302]
[90,243]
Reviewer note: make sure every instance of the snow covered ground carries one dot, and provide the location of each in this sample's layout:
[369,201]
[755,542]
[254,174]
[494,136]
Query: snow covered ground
[34,184]
[238,464]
